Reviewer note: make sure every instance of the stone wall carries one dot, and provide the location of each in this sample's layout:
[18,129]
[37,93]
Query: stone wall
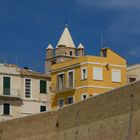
[114,115]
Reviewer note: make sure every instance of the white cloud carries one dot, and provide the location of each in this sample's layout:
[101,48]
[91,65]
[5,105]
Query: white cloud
[111,3]
[135,53]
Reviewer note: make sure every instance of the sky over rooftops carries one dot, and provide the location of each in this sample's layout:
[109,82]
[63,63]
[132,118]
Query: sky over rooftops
[27,27]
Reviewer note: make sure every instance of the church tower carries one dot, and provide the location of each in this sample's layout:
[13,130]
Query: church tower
[49,56]
[65,50]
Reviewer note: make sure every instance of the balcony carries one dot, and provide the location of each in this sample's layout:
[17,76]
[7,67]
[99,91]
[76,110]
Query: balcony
[10,93]
[63,87]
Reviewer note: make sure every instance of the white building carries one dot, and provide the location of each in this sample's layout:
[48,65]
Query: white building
[22,92]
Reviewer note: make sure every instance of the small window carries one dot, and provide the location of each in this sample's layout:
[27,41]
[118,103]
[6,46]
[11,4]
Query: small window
[61,103]
[84,73]
[84,96]
[104,53]
[28,88]
[42,108]
[42,86]
[97,73]
[116,75]
[70,53]
[132,79]
[69,100]
[6,109]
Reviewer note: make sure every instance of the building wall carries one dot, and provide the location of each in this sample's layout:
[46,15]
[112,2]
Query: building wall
[19,105]
[114,115]
[89,85]
[133,72]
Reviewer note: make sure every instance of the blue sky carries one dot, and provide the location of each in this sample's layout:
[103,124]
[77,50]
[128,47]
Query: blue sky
[28,26]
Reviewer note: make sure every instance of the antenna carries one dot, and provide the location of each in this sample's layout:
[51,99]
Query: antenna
[102,40]
[3,59]
[16,60]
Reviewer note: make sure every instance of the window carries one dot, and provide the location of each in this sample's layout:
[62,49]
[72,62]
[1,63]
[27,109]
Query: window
[84,96]
[61,103]
[43,86]
[42,108]
[132,79]
[6,85]
[104,53]
[28,88]
[6,109]
[60,79]
[97,73]
[70,53]
[71,79]
[69,100]
[116,75]
[84,73]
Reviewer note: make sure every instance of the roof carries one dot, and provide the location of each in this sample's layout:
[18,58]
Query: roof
[66,39]
[80,46]
[107,48]
[135,66]
[30,73]
[49,47]
[26,72]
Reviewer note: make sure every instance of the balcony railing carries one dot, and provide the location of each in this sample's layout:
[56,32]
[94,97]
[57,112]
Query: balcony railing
[11,92]
[64,86]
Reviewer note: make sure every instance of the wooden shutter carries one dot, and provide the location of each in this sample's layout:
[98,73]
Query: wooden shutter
[6,85]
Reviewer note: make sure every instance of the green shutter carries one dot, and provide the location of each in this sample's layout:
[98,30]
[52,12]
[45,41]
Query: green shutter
[6,85]
[43,86]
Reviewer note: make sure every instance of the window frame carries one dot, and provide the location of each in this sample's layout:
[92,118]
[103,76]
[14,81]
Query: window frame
[68,98]
[83,95]
[116,81]
[73,77]
[57,81]
[63,102]
[30,89]
[94,77]
[45,87]
[82,76]
[3,85]
[9,109]
[43,106]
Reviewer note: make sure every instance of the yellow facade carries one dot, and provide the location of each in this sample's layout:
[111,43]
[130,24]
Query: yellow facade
[103,73]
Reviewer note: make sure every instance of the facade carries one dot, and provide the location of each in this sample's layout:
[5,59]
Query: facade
[75,77]
[80,78]
[133,73]
[22,92]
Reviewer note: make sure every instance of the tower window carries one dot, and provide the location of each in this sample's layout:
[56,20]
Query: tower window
[70,53]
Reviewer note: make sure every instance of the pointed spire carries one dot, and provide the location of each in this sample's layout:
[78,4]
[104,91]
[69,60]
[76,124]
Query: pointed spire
[49,47]
[81,46]
[66,38]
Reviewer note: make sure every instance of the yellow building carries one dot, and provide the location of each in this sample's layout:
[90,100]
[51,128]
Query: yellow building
[86,76]
[75,77]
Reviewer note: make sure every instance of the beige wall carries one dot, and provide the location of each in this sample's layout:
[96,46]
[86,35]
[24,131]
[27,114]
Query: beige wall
[114,115]
[21,106]
[133,72]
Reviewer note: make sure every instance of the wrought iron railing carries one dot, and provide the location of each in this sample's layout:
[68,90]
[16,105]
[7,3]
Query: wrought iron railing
[63,86]
[11,92]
